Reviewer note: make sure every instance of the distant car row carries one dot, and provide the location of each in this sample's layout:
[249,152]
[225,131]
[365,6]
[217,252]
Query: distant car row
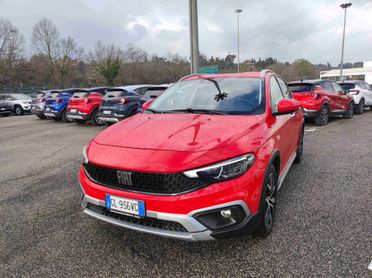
[17,103]
[99,105]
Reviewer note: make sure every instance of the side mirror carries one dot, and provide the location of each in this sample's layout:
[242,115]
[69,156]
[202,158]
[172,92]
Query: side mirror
[146,104]
[286,106]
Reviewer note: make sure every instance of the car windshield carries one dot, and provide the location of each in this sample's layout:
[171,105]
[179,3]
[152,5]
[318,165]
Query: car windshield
[298,88]
[20,96]
[218,95]
[79,94]
[347,86]
[115,93]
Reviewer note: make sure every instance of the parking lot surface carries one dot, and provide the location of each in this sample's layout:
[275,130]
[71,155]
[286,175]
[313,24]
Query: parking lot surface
[323,225]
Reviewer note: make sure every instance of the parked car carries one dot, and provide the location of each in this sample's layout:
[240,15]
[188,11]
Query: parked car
[118,103]
[21,103]
[361,92]
[204,161]
[6,107]
[151,93]
[56,108]
[321,99]
[83,106]
[38,103]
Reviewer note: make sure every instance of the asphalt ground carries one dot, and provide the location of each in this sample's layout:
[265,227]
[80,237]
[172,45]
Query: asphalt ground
[323,225]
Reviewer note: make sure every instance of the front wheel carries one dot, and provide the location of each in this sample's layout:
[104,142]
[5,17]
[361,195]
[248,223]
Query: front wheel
[65,118]
[323,117]
[360,108]
[300,147]
[350,111]
[268,203]
[18,110]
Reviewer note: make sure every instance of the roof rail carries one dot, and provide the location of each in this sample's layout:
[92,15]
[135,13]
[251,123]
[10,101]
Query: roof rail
[190,75]
[264,71]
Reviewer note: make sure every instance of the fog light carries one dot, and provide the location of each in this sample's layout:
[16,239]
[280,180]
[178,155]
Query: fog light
[221,218]
[226,213]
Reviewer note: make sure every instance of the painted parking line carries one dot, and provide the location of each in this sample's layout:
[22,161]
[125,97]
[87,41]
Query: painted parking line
[310,129]
[370,266]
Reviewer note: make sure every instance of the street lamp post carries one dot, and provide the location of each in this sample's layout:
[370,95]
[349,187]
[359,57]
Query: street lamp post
[343,6]
[194,36]
[238,11]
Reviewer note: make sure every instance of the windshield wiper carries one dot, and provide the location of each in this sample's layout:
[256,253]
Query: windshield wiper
[153,111]
[198,111]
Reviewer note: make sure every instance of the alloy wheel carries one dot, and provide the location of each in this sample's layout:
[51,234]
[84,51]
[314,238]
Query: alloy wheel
[324,115]
[270,201]
[18,110]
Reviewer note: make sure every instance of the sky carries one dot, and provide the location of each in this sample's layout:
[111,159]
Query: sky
[282,29]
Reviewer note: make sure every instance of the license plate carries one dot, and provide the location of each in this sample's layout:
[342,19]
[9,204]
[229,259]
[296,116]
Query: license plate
[48,109]
[106,112]
[73,110]
[124,205]
[49,114]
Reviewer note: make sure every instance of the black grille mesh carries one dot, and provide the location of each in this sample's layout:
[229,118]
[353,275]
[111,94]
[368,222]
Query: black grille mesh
[158,183]
[146,221]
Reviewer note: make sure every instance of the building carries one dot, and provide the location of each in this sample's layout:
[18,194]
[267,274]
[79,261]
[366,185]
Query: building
[364,73]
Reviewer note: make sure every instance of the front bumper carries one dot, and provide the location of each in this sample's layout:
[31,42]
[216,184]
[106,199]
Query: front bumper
[5,110]
[195,231]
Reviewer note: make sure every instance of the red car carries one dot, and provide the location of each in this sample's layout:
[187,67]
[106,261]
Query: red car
[204,161]
[321,99]
[83,106]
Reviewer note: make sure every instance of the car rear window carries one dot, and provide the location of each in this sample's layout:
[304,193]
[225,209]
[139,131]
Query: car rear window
[114,93]
[40,95]
[301,87]
[152,92]
[347,86]
[53,95]
[79,94]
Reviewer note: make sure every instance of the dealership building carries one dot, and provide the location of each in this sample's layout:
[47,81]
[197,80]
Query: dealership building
[364,73]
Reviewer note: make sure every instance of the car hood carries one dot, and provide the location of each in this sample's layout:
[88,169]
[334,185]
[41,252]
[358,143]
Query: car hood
[178,132]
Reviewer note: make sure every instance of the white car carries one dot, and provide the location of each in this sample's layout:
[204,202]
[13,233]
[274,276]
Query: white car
[21,103]
[361,92]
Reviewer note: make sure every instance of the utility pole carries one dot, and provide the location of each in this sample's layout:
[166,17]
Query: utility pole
[238,11]
[343,6]
[194,36]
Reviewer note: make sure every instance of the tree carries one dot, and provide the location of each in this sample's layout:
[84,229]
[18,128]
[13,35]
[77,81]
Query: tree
[11,49]
[106,61]
[45,40]
[304,69]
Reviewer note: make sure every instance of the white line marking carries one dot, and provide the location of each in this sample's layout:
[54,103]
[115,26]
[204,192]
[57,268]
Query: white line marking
[310,129]
[370,266]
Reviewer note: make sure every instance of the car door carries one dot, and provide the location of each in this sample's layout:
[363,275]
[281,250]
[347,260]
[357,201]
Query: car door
[294,124]
[281,127]
[343,100]
[331,95]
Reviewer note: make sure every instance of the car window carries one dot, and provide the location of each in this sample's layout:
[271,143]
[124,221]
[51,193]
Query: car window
[275,93]
[347,86]
[327,86]
[361,85]
[336,87]
[286,92]
[153,93]
[367,86]
[132,94]
[80,94]
[115,93]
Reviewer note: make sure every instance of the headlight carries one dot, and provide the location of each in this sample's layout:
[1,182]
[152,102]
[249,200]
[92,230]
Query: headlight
[85,157]
[224,170]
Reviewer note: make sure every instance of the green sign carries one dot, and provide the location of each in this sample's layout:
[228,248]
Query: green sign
[209,69]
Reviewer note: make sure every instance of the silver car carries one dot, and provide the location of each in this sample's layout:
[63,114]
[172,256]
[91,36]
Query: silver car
[38,103]
[21,103]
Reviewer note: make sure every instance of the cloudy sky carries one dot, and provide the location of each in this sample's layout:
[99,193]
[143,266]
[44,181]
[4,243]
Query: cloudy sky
[284,29]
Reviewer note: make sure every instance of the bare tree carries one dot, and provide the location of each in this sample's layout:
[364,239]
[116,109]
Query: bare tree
[11,48]
[106,60]
[69,53]
[45,40]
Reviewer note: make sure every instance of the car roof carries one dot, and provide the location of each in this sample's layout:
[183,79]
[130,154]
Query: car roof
[311,81]
[222,75]
[352,81]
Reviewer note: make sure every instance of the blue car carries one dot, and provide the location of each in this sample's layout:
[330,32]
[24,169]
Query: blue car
[56,108]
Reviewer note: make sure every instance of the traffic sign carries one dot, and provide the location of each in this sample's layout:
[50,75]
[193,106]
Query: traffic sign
[209,69]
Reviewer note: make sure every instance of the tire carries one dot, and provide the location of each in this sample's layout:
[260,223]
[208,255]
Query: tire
[350,111]
[268,203]
[300,147]
[18,110]
[41,117]
[64,117]
[323,117]
[95,120]
[360,108]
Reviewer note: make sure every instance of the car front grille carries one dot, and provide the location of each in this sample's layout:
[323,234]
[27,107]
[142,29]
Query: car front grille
[146,182]
[146,221]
